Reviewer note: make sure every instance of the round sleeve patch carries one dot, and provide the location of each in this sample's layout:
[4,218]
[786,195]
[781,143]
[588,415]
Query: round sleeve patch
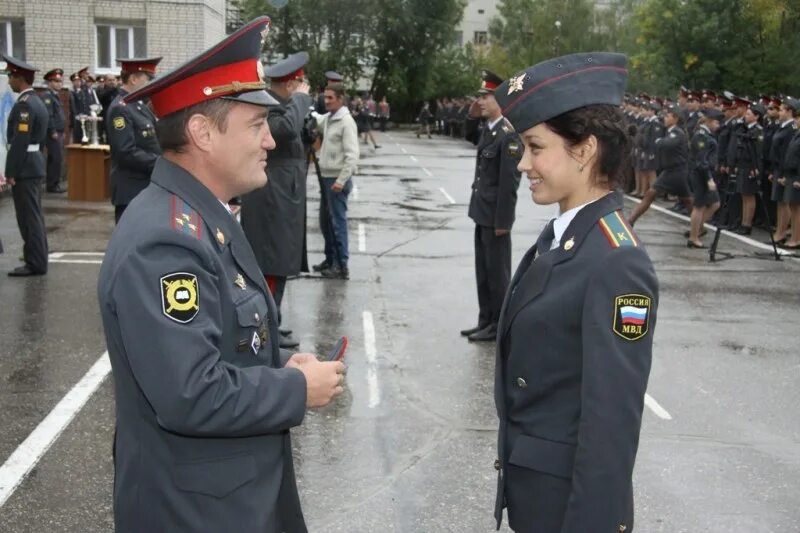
[119,123]
[631,316]
[180,296]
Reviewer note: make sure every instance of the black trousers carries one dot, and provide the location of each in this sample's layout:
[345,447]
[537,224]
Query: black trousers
[276,286]
[492,272]
[30,220]
[55,159]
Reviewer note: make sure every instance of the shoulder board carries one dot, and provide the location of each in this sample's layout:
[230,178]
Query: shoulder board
[507,127]
[23,98]
[617,230]
[184,219]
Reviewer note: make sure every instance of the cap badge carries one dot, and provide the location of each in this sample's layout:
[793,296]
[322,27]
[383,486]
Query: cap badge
[569,244]
[220,236]
[516,83]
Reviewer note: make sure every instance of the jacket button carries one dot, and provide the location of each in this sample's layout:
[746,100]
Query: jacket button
[622,528]
[256,317]
[521,383]
[497,464]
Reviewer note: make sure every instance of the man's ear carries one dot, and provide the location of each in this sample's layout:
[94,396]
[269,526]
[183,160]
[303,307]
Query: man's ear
[198,132]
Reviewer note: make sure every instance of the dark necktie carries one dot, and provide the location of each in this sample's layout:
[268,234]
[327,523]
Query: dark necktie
[545,238]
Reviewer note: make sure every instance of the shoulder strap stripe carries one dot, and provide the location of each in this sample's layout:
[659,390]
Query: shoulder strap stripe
[184,219]
[617,231]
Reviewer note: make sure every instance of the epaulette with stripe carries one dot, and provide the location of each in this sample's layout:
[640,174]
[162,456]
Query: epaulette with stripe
[617,230]
[184,219]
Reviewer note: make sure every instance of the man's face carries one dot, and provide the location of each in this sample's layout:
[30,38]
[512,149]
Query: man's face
[488,105]
[55,85]
[333,102]
[139,80]
[772,111]
[76,83]
[239,154]
[111,81]
[15,82]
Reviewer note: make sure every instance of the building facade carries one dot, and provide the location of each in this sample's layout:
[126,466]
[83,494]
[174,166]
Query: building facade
[72,34]
[474,27]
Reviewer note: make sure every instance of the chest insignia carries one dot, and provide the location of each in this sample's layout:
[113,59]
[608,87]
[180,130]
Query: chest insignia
[239,282]
[180,296]
[569,244]
[255,344]
[631,316]
[220,236]
[617,231]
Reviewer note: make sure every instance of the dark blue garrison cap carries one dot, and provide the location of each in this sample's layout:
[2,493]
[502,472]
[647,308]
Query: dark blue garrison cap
[555,86]
[288,69]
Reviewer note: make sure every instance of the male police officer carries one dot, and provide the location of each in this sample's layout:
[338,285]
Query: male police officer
[131,131]
[493,204]
[204,399]
[78,105]
[25,165]
[273,217]
[55,130]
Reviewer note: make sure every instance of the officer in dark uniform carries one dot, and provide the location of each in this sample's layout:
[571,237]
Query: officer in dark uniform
[702,165]
[575,340]
[78,105]
[791,185]
[693,108]
[748,164]
[737,128]
[131,132]
[55,130]
[273,217]
[25,165]
[673,157]
[493,204]
[789,110]
[204,397]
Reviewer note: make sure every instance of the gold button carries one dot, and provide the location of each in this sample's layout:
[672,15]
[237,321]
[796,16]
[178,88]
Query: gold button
[521,383]
[622,528]
[257,317]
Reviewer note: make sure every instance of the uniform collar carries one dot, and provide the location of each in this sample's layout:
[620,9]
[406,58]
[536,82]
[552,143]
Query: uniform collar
[705,128]
[788,122]
[562,222]
[28,90]
[491,125]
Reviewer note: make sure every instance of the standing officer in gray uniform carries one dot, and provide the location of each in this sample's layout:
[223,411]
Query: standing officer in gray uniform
[204,397]
[574,343]
[131,132]
[273,217]
[493,204]
[25,165]
[55,130]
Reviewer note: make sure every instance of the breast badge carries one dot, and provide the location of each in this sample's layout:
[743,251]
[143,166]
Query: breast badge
[179,296]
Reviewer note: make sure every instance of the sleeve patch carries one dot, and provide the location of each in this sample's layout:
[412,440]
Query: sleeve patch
[631,316]
[24,116]
[617,231]
[22,127]
[180,296]
[119,123]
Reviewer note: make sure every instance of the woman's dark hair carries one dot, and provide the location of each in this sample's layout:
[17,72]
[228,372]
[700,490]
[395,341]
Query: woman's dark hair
[610,128]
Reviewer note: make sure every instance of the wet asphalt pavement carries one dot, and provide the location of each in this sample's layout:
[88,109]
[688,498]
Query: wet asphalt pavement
[410,446]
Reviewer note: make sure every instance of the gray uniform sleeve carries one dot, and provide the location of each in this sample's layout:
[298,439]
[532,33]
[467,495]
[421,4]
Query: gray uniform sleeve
[286,122]
[178,366]
[614,381]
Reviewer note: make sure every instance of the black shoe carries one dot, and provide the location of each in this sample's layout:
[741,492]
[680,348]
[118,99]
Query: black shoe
[287,341]
[24,271]
[58,189]
[744,230]
[470,331]
[377,146]
[690,244]
[284,331]
[489,333]
[702,233]
[336,272]
[322,266]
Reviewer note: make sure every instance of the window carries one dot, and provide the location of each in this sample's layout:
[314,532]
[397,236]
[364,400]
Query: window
[118,41]
[12,38]
[481,12]
[480,37]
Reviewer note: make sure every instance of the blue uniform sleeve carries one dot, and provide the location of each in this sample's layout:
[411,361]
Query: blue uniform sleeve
[122,138]
[619,318]
[20,127]
[178,365]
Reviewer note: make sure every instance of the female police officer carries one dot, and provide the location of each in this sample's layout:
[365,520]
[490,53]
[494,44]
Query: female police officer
[575,335]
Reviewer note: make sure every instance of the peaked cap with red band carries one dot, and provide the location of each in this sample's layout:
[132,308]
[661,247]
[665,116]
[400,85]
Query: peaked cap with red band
[139,64]
[56,74]
[489,82]
[556,86]
[289,69]
[231,70]
[17,66]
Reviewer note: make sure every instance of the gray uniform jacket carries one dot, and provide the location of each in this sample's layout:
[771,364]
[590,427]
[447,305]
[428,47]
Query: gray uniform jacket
[131,131]
[574,346]
[203,404]
[27,125]
[273,217]
[494,190]
[55,111]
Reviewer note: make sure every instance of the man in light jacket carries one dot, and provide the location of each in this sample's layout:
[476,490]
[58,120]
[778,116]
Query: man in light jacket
[338,160]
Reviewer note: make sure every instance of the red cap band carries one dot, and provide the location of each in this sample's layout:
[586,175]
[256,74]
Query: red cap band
[297,74]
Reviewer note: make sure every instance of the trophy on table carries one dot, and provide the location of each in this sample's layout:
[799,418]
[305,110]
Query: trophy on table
[90,125]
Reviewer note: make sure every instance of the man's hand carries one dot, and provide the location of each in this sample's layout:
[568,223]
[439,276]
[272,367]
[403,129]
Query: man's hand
[302,88]
[500,232]
[782,181]
[337,187]
[796,184]
[10,181]
[54,135]
[712,186]
[324,380]
[770,178]
[475,110]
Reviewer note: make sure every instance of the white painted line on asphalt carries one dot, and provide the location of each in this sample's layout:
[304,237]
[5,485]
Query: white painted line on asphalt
[27,454]
[710,228]
[362,238]
[372,356]
[403,149]
[428,172]
[355,191]
[77,261]
[449,198]
[82,254]
[654,406]
[414,159]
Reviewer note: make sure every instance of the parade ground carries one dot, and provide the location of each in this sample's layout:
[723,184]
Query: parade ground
[410,446]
